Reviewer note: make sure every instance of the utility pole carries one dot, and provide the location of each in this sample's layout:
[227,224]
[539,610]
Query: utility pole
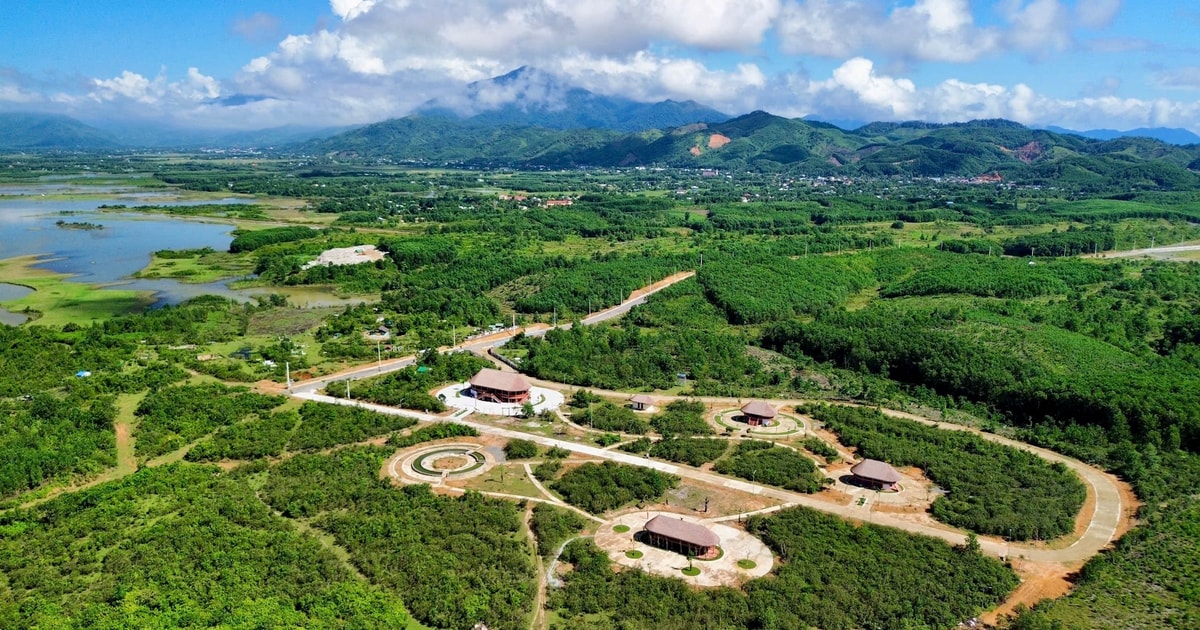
[347,389]
[287,367]
[379,356]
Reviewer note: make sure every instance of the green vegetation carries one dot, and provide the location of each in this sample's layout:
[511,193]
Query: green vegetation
[44,438]
[990,488]
[324,425]
[817,446]
[641,445]
[752,286]
[1147,581]
[250,240]
[139,553]
[609,417]
[681,417]
[252,439]
[58,302]
[598,488]
[521,449]
[409,387]
[832,577]
[552,526]
[433,432]
[174,416]
[457,561]
[690,451]
[881,289]
[763,462]
[547,470]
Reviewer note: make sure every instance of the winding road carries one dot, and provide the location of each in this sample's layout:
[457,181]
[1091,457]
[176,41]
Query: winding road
[1103,524]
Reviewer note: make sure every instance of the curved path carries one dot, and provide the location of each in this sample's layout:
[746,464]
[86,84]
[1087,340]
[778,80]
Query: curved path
[1102,528]
[1100,532]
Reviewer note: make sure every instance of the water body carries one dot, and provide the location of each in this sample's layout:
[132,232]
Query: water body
[12,292]
[109,256]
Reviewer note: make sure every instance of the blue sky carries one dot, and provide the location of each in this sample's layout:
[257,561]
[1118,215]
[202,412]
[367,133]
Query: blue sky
[263,63]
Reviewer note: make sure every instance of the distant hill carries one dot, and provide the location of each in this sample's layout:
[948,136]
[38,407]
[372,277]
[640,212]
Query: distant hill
[761,141]
[1163,134]
[158,136]
[531,97]
[50,131]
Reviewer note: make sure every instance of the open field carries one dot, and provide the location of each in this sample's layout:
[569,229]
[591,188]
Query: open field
[60,301]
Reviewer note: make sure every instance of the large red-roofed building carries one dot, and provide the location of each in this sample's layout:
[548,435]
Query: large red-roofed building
[758,413]
[675,534]
[876,474]
[500,387]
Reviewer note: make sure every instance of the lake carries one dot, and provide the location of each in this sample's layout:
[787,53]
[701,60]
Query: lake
[123,247]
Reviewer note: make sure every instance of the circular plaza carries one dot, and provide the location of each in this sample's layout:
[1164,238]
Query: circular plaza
[703,553]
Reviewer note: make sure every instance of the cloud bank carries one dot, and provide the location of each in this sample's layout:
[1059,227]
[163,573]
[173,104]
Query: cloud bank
[383,58]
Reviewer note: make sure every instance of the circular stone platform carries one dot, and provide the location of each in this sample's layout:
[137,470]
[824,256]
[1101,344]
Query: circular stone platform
[724,571]
[455,396]
[435,464]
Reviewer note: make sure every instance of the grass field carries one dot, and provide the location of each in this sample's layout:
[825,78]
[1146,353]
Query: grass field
[59,301]
[200,268]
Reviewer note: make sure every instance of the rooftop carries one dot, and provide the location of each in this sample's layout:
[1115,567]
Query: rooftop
[876,470]
[679,529]
[758,408]
[500,381]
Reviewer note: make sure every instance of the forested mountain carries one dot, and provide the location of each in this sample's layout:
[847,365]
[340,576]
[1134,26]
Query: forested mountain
[762,141]
[50,131]
[529,96]
[1170,135]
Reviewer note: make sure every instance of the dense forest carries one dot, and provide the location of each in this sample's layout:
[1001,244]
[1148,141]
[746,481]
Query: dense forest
[599,488]
[173,416]
[988,488]
[764,462]
[968,302]
[455,561]
[142,552]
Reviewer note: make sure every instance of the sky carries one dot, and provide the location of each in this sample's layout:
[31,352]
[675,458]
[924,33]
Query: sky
[251,64]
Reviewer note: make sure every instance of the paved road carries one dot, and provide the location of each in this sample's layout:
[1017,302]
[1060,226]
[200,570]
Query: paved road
[1100,532]
[484,343]
[1153,252]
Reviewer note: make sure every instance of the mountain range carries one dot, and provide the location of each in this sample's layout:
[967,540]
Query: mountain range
[529,118]
[532,97]
[763,141]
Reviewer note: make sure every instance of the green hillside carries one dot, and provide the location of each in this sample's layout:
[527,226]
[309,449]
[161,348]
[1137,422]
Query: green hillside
[764,142]
[47,131]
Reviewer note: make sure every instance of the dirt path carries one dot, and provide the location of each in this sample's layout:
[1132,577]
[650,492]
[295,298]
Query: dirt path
[126,462]
[538,620]
[1106,515]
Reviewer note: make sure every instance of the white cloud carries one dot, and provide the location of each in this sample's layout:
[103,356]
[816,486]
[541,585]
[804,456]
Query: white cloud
[256,27]
[935,30]
[1096,13]
[14,94]
[1185,77]
[856,89]
[1039,27]
[131,86]
[894,98]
